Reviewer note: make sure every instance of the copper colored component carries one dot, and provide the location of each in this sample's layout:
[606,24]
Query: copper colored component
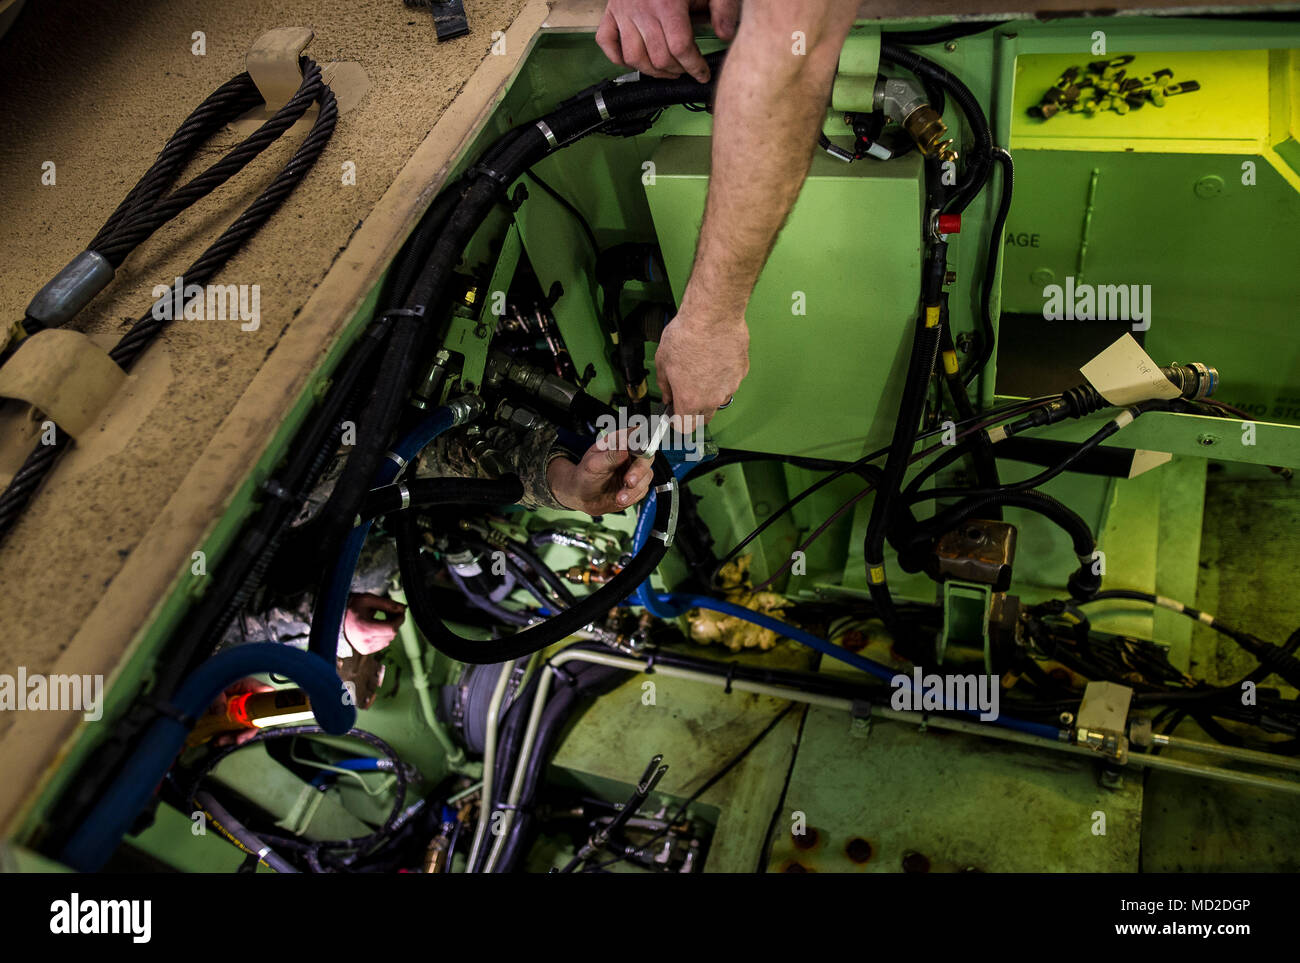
[930,133]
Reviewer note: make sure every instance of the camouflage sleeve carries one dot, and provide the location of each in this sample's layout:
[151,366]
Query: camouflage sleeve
[501,452]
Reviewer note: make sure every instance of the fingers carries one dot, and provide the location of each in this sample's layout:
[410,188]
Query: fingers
[607,39]
[725,15]
[636,482]
[658,43]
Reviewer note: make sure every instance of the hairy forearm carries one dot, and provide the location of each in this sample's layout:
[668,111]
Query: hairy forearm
[770,104]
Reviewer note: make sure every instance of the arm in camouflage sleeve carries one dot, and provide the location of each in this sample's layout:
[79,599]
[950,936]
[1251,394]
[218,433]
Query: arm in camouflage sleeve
[495,453]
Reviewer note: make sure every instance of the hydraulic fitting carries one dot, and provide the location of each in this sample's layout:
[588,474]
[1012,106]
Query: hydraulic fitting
[905,103]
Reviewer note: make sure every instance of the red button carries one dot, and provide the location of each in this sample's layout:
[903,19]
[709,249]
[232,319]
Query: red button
[949,223]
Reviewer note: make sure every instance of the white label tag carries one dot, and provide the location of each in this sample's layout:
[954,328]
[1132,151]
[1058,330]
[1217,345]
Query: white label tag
[1125,374]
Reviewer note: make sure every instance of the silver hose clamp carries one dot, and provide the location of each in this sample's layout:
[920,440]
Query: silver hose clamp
[548,133]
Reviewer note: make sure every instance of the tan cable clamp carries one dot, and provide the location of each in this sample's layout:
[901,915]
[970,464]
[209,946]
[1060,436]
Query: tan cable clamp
[65,375]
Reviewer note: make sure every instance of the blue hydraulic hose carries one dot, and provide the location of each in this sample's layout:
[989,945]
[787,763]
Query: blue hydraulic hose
[670,606]
[328,618]
[331,702]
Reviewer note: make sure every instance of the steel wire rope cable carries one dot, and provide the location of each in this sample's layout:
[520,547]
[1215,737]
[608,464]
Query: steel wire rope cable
[143,212]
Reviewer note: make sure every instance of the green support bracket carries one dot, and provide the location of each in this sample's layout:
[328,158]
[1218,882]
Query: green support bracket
[966,618]
[855,79]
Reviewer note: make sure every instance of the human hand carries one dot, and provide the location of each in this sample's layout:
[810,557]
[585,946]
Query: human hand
[608,479]
[656,37]
[365,633]
[214,718]
[699,364]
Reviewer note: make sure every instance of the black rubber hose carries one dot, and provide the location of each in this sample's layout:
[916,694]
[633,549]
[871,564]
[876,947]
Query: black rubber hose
[580,681]
[507,159]
[1083,583]
[988,330]
[981,158]
[314,849]
[423,608]
[925,345]
[426,492]
[240,834]
[541,569]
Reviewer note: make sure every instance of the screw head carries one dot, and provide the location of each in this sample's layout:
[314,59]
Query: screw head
[1207,440]
[1211,185]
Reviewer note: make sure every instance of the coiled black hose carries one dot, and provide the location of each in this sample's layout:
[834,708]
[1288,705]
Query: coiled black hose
[423,607]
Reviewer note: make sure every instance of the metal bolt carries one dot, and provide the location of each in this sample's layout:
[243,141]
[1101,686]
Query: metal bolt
[1211,185]
[914,862]
[950,46]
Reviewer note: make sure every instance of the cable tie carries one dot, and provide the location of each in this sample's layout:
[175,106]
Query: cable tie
[169,710]
[563,674]
[548,133]
[415,312]
[501,179]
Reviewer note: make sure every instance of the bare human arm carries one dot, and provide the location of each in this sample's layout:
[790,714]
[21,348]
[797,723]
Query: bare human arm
[771,101]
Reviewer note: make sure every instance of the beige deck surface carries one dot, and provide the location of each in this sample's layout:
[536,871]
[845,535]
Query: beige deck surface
[97,87]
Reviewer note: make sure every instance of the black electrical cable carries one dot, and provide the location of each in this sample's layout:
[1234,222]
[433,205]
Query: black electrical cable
[1080,451]
[980,157]
[427,492]
[423,608]
[920,369]
[314,850]
[128,225]
[704,787]
[840,472]
[540,569]
[988,328]
[1272,658]
[500,165]
[239,834]
[986,466]
[569,206]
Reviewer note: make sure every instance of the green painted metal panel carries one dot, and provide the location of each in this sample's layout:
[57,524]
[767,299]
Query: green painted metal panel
[827,381]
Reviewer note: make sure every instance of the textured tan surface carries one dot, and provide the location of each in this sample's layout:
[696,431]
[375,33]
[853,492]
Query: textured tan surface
[100,111]
[84,572]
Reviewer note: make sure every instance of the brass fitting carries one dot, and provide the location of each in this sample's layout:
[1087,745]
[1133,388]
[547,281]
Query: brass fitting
[930,133]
